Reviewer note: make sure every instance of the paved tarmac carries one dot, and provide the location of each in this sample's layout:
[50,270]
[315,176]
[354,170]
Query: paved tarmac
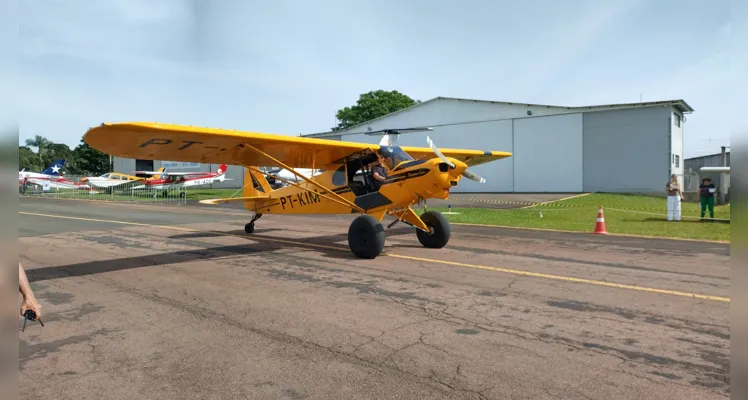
[177,302]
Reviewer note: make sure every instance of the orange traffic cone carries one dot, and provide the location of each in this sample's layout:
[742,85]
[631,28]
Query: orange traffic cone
[600,223]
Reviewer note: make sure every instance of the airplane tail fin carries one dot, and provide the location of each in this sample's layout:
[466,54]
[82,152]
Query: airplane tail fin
[255,184]
[255,195]
[220,174]
[54,168]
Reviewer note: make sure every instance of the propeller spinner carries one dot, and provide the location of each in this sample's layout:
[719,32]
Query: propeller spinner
[466,173]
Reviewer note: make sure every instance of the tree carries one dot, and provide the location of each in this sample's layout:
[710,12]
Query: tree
[83,160]
[41,143]
[372,105]
[58,151]
[28,160]
[89,161]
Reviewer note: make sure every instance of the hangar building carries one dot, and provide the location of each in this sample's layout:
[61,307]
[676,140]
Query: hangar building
[607,148]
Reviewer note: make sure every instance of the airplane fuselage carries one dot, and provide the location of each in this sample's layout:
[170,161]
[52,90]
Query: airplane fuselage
[404,186]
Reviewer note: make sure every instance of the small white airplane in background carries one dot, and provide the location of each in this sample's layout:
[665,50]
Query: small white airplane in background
[116,180]
[289,176]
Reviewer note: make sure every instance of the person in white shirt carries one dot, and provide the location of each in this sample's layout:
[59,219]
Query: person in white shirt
[674,197]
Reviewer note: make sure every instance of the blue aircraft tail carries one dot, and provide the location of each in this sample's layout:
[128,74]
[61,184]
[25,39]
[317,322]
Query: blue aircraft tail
[54,168]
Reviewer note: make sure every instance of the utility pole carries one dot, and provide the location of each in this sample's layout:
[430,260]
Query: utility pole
[724,156]
[722,188]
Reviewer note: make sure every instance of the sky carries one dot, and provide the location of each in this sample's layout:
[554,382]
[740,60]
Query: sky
[287,66]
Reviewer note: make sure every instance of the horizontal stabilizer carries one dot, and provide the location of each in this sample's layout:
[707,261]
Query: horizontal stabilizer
[234,199]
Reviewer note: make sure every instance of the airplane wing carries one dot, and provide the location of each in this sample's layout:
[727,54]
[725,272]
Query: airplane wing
[159,173]
[469,157]
[148,173]
[189,173]
[154,141]
[715,169]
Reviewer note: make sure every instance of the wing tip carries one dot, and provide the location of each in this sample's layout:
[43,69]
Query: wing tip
[233,199]
[210,201]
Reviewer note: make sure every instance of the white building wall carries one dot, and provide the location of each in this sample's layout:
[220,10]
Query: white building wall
[676,138]
[548,154]
[452,111]
[627,150]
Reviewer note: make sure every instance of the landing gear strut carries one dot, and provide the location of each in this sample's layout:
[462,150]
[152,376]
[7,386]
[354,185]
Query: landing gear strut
[366,236]
[250,226]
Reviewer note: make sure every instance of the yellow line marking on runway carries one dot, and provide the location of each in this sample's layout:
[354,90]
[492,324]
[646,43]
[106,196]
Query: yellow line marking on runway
[455,263]
[569,279]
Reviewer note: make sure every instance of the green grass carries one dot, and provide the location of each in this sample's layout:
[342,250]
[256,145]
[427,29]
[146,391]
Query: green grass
[624,214]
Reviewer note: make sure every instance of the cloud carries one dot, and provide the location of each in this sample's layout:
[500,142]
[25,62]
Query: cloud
[286,66]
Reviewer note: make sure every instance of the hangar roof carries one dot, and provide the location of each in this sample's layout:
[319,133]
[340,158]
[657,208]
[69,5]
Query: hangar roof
[679,104]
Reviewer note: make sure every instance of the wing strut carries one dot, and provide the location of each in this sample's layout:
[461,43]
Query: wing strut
[341,199]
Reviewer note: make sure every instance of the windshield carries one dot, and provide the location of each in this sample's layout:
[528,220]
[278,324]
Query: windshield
[393,155]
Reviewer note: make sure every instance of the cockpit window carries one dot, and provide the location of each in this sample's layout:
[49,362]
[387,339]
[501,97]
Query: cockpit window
[393,155]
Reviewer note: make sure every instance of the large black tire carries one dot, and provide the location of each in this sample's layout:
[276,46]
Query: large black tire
[249,227]
[440,230]
[366,237]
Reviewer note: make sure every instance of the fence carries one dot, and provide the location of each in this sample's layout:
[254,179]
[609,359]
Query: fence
[690,182]
[124,191]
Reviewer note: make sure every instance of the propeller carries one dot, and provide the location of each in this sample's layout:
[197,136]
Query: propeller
[466,173]
[472,176]
[439,153]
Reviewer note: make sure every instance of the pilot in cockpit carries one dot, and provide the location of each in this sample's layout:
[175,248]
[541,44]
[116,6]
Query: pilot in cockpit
[378,174]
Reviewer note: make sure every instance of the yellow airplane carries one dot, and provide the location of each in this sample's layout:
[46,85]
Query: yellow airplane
[120,180]
[345,186]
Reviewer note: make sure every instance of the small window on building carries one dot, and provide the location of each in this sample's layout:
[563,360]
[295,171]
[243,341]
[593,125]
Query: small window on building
[676,119]
[677,161]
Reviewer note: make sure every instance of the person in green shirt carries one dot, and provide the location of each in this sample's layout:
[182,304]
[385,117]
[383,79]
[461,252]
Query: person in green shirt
[706,197]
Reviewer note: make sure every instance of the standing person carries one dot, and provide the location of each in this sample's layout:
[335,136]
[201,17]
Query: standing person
[706,197]
[674,197]
[29,299]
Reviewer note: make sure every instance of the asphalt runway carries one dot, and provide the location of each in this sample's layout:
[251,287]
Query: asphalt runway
[169,302]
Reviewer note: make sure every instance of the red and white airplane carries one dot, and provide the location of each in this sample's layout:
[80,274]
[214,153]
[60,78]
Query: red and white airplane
[49,178]
[164,180]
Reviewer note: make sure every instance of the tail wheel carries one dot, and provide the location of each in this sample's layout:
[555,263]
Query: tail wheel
[439,227]
[366,237]
[249,227]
